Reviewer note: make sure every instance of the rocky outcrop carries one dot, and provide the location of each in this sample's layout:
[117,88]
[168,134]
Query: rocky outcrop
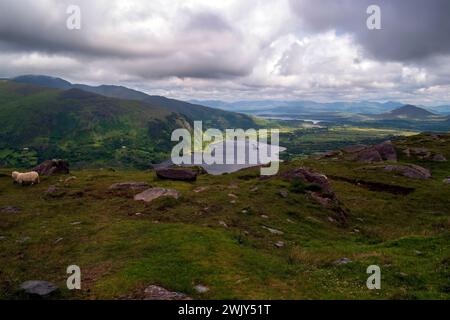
[411,171]
[50,167]
[154,193]
[325,196]
[177,174]
[386,151]
[308,176]
[129,186]
[378,153]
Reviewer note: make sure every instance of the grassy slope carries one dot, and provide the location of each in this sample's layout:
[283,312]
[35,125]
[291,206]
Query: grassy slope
[180,243]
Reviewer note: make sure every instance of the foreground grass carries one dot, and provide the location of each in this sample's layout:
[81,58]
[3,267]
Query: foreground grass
[181,243]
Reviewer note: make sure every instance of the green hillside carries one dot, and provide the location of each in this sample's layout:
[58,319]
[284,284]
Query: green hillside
[212,118]
[38,123]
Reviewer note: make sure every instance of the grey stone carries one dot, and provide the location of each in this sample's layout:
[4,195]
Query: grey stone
[279,244]
[411,171]
[159,293]
[201,288]
[38,288]
[273,231]
[154,193]
[342,261]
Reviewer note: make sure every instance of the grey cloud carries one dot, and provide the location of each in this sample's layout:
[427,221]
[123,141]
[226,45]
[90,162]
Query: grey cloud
[411,29]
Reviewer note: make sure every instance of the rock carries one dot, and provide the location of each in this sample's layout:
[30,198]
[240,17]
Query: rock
[153,193]
[411,171]
[369,155]
[129,186]
[264,216]
[201,288]
[326,196]
[439,158]
[321,198]
[446,180]
[38,288]
[283,193]
[309,176]
[200,189]
[176,174]
[159,293]
[273,231]
[279,244]
[72,178]
[386,151]
[10,209]
[50,167]
[342,261]
[223,224]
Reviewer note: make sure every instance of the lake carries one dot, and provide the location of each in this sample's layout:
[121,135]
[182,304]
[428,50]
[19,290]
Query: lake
[240,162]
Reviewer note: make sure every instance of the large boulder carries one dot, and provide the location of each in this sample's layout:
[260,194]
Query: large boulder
[411,171]
[177,174]
[154,193]
[50,167]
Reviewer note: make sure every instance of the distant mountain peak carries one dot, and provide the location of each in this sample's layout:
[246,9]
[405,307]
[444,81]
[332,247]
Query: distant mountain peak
[407,112]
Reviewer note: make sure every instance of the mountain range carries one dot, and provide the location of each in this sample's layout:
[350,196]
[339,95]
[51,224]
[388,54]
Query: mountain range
[305,107]
[44,117]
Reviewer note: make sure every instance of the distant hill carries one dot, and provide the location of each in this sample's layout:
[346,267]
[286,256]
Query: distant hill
[38,123]
[407,112]
[211,117]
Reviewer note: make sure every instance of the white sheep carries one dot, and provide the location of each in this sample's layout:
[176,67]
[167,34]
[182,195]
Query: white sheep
[27,177]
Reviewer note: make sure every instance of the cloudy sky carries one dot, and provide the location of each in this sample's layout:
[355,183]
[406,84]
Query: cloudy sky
[238,49]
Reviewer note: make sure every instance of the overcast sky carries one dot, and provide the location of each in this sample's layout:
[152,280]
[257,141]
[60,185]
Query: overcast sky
[232,50]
